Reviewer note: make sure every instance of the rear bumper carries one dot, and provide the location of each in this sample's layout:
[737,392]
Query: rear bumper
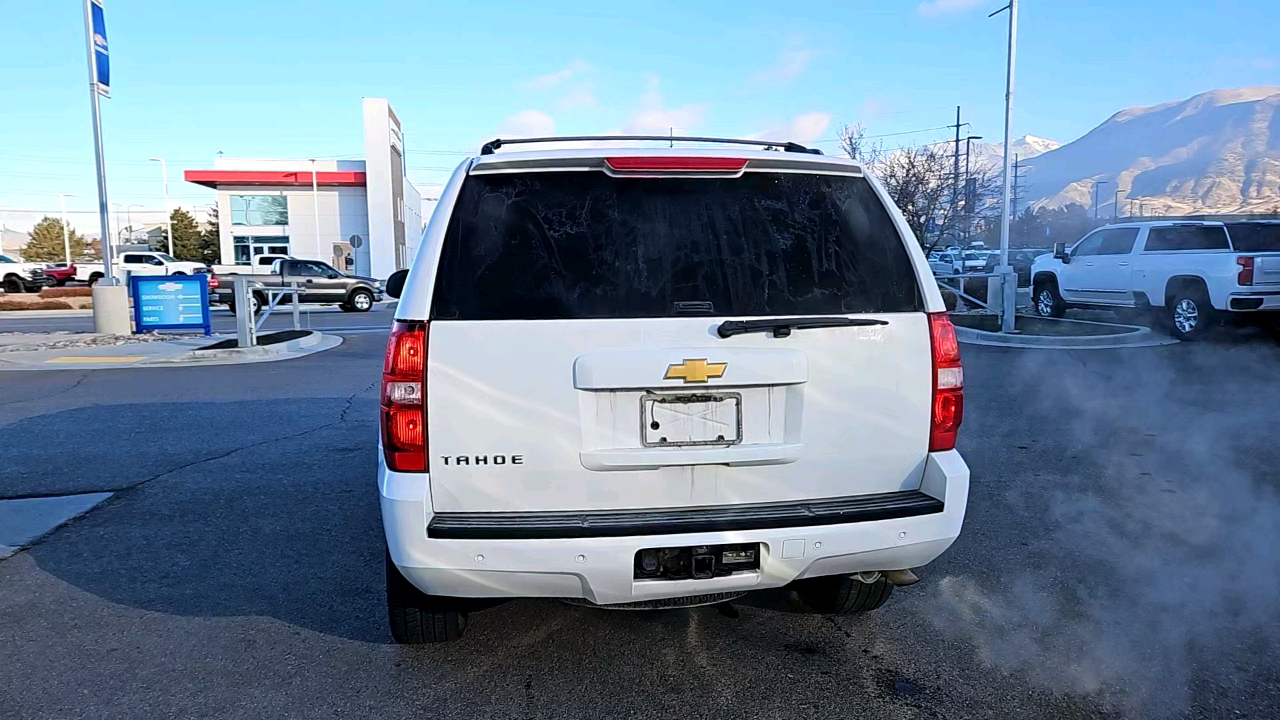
[600,569]
[1263,300]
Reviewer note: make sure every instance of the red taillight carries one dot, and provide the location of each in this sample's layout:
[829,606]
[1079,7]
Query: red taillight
[404,404]
[213,282]
[947,409]
[675,163]
[1246,270]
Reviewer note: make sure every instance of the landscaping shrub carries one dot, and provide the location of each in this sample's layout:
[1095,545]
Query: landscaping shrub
[57,292]
[7,304]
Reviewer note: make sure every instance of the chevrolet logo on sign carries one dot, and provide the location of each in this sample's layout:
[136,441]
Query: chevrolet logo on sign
[695,370]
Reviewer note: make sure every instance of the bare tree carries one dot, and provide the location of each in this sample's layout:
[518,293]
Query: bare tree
[921,181]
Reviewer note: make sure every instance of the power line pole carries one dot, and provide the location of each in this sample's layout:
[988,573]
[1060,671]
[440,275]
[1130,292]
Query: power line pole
[955,176]
[1018,186]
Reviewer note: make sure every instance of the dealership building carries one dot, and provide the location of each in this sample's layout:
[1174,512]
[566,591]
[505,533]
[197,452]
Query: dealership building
[361,216]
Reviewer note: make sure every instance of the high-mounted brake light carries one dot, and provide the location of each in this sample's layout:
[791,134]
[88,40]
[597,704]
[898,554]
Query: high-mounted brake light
[948,384]
[675,163]
[1245,277]
[403,418]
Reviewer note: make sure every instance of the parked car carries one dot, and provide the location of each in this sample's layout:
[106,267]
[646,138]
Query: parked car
[60,273]
[320,283]
[602,402]
[971,261]
[1020,259]
[1190,273]
[141,263]
[943,263]
[17,276]
[260,265]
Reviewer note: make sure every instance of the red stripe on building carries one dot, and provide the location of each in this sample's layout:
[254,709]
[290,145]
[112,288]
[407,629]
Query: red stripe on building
[214,178]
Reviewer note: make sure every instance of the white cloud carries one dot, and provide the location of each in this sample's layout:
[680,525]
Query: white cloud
[575,69]
[654,119]
[527,123]
[933,8]
[801,129]
[576,97]
[789,65]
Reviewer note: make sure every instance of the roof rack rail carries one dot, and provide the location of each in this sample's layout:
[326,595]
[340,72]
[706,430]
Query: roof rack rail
[491,146]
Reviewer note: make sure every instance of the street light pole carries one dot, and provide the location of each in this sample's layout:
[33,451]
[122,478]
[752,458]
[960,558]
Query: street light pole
[66,237]
[968,176]
[168,214]
[128,212]
[1096,185]
[1008,298]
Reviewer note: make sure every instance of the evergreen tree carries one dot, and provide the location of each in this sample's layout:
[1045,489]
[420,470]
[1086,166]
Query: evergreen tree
[45,243]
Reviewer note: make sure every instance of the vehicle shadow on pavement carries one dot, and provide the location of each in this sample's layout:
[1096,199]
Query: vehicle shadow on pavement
[288,529]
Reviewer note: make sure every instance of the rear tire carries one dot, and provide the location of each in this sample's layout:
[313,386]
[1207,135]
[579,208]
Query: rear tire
[843,594]
[1046,301]
[1191,316]
[94,278]
[14,286]
[417,618]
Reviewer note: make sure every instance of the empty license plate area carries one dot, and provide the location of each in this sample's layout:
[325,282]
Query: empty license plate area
[698,563]
[690,420]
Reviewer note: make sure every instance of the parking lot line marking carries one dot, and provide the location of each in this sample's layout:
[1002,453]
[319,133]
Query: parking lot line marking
[92,358]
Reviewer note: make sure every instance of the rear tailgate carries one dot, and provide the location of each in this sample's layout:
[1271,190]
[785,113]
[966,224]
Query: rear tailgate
[1261,241]
[574,363]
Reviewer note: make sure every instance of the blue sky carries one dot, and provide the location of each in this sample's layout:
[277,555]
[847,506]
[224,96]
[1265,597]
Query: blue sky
[284,79]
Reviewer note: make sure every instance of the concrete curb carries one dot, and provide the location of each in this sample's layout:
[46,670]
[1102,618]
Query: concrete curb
[313,343]
[1133,336]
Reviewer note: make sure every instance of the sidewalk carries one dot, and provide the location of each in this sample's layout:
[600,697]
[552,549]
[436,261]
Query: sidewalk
[88,351]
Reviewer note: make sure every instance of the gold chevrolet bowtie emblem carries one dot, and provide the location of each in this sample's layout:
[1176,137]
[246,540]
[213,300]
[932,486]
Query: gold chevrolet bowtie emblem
[695,370]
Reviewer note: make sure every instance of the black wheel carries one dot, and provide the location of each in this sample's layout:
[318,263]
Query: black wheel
[179,272]
[1191,316]
[62,282]
[417,618]
[1046,301]
[361,301]
[843,594]
[255,304]
[94,278]
[13,285]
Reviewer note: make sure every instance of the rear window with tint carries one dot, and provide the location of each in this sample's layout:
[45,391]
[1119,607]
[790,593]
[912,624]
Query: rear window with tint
[561,245]
[1187,237]
[1255,237]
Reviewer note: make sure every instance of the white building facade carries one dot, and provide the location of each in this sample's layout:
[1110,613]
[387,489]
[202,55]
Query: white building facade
[361,216]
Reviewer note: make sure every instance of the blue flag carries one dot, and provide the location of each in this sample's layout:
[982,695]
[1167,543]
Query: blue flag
[101,62]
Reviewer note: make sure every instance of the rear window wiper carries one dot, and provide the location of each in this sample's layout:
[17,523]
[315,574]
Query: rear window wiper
[782,327]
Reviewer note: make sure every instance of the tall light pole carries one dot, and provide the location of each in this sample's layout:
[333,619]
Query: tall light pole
[66,236]
[1115,204]
[315,203]
[1096,184]
[168,214]
[1008,299]
[119,227]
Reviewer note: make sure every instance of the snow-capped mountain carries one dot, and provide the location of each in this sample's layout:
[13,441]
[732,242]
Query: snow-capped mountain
[1218,151]
[1027,146]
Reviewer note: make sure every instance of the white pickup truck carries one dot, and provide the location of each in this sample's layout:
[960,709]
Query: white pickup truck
[1189,273]
[18,277]
[261,265]
[141,263]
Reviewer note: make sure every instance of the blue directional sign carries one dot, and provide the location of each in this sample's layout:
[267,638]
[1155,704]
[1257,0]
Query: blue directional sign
[170,302]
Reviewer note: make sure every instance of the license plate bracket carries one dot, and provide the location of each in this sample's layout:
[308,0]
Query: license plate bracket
[690,419]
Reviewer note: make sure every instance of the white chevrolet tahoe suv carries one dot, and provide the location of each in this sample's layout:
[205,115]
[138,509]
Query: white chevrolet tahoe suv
[652,378]
[1191,274]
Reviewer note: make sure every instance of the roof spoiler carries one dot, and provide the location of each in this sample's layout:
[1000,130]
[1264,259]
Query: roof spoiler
[492,146]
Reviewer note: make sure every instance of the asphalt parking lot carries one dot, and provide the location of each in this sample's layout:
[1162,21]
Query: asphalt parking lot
[1119,559]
